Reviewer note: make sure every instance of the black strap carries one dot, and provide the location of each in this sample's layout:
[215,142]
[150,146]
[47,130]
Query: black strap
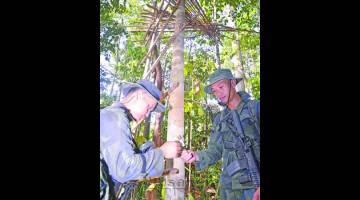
[143,169]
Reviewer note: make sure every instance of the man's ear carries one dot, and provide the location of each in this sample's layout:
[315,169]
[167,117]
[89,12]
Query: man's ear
[140,95]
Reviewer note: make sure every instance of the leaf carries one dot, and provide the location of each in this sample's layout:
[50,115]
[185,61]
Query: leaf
[200,112]
[139,139]
[191,197]
[186,71]
[151,187]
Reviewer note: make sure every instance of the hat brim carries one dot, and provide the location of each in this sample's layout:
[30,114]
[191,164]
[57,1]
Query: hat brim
[208,90]
[159,107]
[238,80]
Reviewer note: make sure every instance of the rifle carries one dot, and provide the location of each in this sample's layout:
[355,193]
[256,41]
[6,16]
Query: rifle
[252,163]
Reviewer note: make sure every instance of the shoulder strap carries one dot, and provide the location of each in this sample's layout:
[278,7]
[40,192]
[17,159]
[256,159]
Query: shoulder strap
[251,107]
[217,120]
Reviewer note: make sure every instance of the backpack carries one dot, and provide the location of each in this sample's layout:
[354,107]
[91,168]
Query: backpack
[110,189]
[106,184]
[254,113]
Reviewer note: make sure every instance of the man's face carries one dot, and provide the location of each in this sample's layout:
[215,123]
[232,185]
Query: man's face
[144,105]
[222,90]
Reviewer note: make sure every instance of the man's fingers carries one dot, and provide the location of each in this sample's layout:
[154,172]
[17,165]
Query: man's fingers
[187,157]
[178,144]
[191,160]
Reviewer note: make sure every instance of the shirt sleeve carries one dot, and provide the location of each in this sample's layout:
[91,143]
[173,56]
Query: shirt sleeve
[214,152]
[118,149]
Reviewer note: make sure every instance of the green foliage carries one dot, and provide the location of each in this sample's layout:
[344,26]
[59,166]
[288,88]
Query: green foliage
[255,85]
[110,26]
[198,66]
[140,139]
[191,197]
[139,192]
[105,100]
[128,67]
[104,80]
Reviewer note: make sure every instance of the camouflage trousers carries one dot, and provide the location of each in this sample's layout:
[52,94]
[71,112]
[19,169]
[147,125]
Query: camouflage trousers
[237,194]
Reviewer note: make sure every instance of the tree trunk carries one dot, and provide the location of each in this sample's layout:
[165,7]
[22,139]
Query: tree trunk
[151,195]
[149,62]
[159,116]
[217,51]
[249,68]
[189,140]
[116,70]
[240,73]
[218,65]
[147,120]
[175,184]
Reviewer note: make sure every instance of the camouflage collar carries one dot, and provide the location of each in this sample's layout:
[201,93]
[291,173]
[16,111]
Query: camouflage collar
[122,107]
[244,96]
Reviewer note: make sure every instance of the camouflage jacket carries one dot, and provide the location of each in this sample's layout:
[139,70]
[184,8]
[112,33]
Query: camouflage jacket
[125,161]
[224,130]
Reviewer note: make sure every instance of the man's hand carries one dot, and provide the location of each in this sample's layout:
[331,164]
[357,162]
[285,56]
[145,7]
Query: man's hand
[189,156]
[257,194]
[171,149]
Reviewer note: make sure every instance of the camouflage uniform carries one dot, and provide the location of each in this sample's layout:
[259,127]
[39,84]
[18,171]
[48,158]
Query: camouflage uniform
[238,186]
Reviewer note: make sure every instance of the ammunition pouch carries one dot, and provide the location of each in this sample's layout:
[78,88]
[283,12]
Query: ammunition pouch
[236,166]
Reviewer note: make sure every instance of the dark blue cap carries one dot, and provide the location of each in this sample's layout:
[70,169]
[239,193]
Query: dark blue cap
[150,88]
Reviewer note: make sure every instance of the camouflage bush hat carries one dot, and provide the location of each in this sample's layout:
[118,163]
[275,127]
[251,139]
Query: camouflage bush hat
[217,75]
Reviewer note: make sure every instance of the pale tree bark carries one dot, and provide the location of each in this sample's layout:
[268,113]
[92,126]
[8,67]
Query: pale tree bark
[147,120]
[148,60]
[249,68]
[175,184]
[217,51]
[119,92]
[218,64]
[189,140]
[240,72]
[116,70]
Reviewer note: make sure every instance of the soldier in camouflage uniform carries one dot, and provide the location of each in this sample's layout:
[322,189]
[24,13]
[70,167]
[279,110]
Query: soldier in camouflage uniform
[121,161]
[235,181]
